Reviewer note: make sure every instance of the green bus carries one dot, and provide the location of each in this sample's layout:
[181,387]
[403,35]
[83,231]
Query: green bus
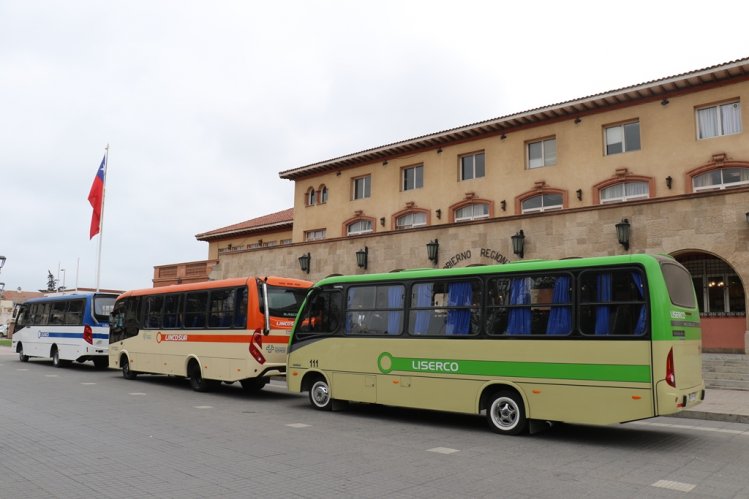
[599,340]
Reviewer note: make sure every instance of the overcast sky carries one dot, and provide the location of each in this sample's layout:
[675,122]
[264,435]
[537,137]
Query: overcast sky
[203,103]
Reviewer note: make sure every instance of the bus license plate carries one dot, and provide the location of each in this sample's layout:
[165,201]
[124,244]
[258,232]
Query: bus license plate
[692,397]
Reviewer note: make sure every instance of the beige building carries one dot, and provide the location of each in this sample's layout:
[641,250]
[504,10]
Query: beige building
[670,157]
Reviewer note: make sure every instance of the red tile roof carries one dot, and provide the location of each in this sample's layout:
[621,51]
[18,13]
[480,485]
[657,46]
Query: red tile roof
[277,220]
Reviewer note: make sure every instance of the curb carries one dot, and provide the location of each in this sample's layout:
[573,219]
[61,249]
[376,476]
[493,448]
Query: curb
[713,416]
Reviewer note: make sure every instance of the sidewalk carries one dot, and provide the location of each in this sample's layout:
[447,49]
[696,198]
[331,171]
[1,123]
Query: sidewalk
[719,405]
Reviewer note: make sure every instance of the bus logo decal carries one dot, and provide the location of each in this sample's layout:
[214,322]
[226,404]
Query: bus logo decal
[387,363]
[170,337]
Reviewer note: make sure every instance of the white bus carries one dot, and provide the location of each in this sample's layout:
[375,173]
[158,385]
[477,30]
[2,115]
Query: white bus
[65,328]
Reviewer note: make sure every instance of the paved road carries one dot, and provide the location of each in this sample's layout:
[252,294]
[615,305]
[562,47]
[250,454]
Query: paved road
[77,432]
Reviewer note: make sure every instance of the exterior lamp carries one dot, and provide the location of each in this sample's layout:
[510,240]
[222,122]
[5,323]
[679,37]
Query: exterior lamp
[518,243]
[622,233]
[747,221]
[433,248]
[2,287]
[304,262]
[2,258]
[361,258]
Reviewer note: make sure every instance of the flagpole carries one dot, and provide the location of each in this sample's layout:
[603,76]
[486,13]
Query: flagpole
[101,218]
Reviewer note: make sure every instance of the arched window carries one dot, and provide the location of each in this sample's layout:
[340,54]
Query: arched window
[721,178]
[310,199]
[719,289]
[473,211]
[323,194]
[625,191]
[359,227]
[549,201]
[411,219]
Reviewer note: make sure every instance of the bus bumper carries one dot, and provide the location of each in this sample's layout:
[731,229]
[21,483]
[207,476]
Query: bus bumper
[672,400]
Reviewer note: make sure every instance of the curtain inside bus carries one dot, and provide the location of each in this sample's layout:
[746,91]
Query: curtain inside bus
[395,300]
[603,295]
[423,299]
[560,318]
[640,327]
[459,294]
[520,317]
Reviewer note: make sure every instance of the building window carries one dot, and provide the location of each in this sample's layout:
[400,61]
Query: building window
[314,235]
[623,138]
[474,211]
[542,153]
[323,194]
[542,202]
[722,178]
[359,227]
[413,177]
[409,220]
[285,241]
[717,286]
[724,119]
[472,166]
[361,187]
[625,191]
[310,198]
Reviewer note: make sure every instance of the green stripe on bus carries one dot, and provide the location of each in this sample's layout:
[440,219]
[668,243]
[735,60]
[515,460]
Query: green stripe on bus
[547,370]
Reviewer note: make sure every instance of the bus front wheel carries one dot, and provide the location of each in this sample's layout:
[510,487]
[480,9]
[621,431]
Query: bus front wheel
[319,395]
[126,372]
[197,382]
[506,413]
[21,356]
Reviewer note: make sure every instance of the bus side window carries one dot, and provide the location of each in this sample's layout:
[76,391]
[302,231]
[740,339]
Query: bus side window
[74,313]
[21,318]
[57,315]
[322,314]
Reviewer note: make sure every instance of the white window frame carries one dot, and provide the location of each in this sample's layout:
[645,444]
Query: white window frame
[542,208]
[416,184]
[719,186]
[350,232]
[314,235]
[624,197]
[473,216]
[546,159]
[412,214]
[366,187]
[720,123]
[625,147]
[473,165]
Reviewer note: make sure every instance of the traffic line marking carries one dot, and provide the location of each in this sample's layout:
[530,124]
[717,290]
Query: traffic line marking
[136,393]
[51,375]
[443,450]
[88,383]
[672,485]
[24,369]
[203,406]
[298,425]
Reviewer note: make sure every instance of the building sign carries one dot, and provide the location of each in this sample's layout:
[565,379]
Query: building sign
[464,257]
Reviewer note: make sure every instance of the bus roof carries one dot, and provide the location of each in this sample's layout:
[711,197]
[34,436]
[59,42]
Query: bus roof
[220,283]
[514,266]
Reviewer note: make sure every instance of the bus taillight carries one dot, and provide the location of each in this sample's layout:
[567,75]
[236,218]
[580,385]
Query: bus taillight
[670,373]
[88,335]
[256,344]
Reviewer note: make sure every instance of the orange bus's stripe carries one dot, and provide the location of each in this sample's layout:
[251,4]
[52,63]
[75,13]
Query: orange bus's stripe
[216,338]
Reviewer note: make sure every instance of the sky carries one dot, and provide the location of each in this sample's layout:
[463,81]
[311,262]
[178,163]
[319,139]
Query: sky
[203,103]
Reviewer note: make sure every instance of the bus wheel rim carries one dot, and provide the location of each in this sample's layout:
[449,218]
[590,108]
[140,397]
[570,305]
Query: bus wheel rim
[320,394]
[505,413]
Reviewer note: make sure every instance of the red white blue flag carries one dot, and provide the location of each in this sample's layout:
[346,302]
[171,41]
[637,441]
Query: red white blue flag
[96,198]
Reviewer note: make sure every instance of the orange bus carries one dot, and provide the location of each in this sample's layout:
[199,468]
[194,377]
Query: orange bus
[209,332]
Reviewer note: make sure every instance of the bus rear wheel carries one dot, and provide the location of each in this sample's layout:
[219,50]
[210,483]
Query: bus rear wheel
[126,372]
[101,363]
[506,413]
[21,356]
[56,360]
[319,395]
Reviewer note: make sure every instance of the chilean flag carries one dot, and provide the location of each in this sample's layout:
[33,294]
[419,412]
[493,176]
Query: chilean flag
[96,197]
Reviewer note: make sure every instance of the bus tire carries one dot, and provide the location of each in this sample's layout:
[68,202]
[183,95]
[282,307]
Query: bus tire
[505,413]
[21,356]
[319,395]
[125,365]
[253,385]
[56,360]
[197,382]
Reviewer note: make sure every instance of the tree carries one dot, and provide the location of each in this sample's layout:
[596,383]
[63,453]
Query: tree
[51,283]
